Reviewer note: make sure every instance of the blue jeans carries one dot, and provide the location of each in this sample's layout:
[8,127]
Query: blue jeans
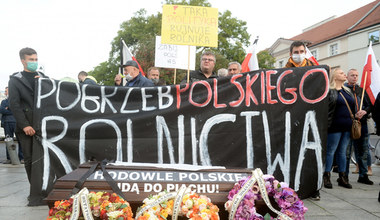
[361,152]
[337,143]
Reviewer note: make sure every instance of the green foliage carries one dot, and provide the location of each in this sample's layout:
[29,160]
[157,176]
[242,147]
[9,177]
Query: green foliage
[266,61]
[140,31]
[232,37]
[104,73]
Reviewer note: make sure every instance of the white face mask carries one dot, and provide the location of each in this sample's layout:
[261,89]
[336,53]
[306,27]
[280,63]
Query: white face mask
[128,77]
[298,58]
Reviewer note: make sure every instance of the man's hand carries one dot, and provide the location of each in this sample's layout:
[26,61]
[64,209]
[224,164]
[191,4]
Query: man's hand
[29,131]
[117,79]
[360,114]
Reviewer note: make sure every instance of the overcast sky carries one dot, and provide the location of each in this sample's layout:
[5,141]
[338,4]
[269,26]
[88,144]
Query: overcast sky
[74,35]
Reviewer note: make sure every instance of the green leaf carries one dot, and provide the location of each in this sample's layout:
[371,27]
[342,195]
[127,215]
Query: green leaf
[267,216]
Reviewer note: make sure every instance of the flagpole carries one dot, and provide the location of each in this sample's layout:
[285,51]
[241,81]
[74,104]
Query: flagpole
[121,56]
[188,64]
[365,80]
[175,75]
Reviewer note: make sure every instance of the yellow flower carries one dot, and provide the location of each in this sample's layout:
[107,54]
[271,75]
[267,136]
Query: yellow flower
[164,213]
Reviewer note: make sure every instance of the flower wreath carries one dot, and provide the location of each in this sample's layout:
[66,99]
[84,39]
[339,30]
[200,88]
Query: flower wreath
[103,205]
[286,198]
[62,210]
[190,206]
[109,206]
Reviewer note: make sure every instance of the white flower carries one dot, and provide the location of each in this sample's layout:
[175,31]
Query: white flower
[189,203]
[114,214]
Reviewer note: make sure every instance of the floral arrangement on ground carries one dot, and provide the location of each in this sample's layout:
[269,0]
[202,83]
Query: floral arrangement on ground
[193,206]
[285,197]
[62,210]
[104,205]
[109,206]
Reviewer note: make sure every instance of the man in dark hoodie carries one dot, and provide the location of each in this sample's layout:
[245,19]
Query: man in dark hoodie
[21,101]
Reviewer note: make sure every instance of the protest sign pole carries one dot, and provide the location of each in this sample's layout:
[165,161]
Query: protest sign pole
[365,80]
[188,64]
[175,75]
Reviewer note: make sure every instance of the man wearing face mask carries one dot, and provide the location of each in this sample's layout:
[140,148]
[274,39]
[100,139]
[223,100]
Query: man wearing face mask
[298,56]
[21,101]
[134,77]
[154,75]
[298,59]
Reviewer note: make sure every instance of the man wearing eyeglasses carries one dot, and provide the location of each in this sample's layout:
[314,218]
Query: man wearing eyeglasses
[207,68]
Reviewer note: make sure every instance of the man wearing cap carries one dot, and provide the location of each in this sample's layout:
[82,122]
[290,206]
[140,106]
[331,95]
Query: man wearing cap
[134,77]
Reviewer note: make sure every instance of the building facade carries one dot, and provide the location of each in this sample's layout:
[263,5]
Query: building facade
[338,41]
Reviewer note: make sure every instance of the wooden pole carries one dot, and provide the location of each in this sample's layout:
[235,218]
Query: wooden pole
[188,64]
[365,81]
[175,75]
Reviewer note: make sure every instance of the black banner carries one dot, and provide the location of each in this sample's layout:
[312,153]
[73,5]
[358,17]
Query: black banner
[272,119]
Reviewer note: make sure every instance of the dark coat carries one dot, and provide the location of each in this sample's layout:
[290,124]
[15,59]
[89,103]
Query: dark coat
[21,100]
[376,114]
[197,76]
[333,97]
[89,81]
[140,81]
[6,114]
[367,106]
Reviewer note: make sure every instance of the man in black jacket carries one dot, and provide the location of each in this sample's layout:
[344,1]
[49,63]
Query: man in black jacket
[361,144]
[206,71]
[21,101]
[8,122]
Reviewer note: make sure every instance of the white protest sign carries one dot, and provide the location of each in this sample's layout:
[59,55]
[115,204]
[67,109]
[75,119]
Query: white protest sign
[173,56]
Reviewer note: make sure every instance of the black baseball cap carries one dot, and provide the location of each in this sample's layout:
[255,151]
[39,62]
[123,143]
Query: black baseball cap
[131,63]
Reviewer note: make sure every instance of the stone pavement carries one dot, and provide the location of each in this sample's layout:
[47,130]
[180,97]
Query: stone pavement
[337,203]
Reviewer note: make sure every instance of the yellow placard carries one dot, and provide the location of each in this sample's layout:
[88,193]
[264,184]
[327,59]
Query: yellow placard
[189,25]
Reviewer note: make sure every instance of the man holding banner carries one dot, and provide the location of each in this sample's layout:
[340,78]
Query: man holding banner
[21,101]
[206,71]
[298,55]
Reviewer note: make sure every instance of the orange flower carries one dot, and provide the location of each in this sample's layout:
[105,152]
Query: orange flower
[56,203]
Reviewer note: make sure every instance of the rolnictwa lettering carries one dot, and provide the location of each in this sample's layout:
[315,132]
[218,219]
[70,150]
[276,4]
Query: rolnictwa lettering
[273,119]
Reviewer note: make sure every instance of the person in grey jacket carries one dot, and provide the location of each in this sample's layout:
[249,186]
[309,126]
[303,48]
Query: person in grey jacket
[21,100]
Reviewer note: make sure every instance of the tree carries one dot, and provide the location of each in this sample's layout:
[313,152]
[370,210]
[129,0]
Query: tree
[266,61]
[104,73]
[140,31]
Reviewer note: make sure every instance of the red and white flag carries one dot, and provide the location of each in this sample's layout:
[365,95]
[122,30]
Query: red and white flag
[127,55]
[310,56]
[371,82]
[250,62]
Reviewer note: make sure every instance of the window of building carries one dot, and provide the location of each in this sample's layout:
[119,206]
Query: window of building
[374,36]
[315,54]
[333,49]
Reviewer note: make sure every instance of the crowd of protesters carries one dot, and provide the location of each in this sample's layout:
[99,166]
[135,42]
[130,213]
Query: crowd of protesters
[343,98]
